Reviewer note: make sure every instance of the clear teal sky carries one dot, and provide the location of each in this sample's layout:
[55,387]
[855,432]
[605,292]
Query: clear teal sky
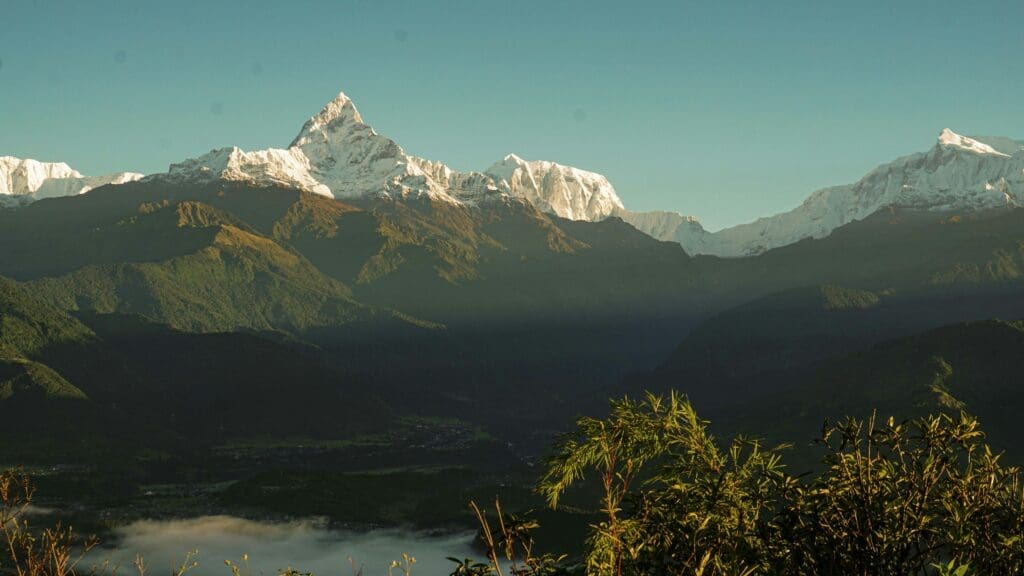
[724,110]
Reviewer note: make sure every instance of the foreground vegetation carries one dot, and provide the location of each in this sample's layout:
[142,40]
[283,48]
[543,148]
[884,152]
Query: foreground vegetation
[923,497]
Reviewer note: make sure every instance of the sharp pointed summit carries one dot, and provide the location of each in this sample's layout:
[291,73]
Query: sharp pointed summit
[339,111]
[337,154]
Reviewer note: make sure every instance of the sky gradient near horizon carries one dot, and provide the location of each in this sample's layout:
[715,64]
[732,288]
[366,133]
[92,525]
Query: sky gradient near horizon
[723,110]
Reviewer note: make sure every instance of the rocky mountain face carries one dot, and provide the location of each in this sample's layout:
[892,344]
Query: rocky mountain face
[561,190]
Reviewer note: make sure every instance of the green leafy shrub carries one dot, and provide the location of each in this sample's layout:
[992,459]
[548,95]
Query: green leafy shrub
[904,498]
[924,497]
[699,510]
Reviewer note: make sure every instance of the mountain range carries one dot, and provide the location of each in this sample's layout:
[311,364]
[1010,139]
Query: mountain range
[337,155]
[345,280]
[958,174]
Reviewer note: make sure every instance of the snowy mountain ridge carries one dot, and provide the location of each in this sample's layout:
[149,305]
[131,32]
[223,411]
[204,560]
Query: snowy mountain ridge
[23,180]
[336,154]
[958,173]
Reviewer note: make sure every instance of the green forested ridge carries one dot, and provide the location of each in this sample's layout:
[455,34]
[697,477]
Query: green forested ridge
[456,265]
[64,384]
[511,299]
[27,325]
[22,379]
[770,343]
[512,285]
[206,318]
[235,279]
[974,366]
[43,415]
[892,249]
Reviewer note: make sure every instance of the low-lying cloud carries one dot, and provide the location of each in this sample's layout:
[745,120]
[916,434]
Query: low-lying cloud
[274,546]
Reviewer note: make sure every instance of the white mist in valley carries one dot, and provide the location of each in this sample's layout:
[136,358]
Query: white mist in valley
[272,547]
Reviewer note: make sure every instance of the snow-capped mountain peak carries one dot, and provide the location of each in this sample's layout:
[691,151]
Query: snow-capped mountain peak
[671,227]
[506,166]
[274,166]
[20,176]
[23,180]
[339,111]
[950,139]
[959,173]
[337,154]
[563,190]
[351,159]
[334,154]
